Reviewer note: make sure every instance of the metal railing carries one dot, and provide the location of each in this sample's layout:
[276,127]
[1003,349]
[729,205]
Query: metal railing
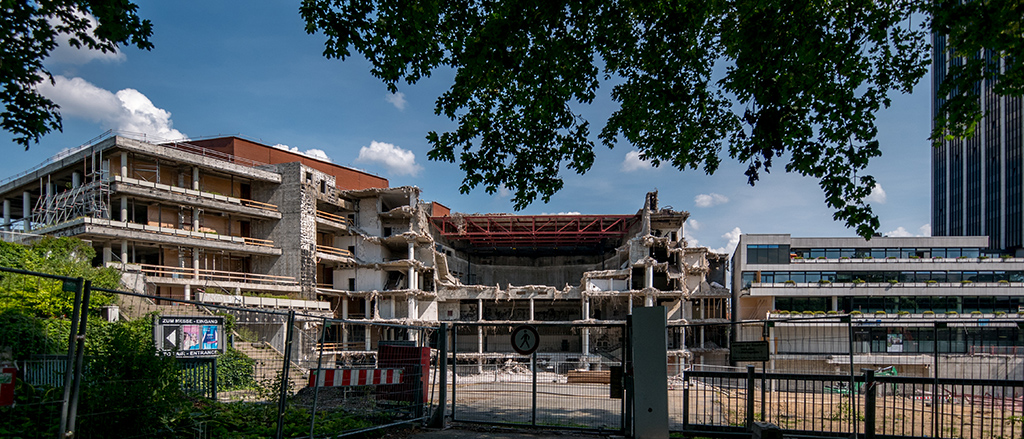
[717,404]
[201,193]
[334,251]
[332,217]
[217,275]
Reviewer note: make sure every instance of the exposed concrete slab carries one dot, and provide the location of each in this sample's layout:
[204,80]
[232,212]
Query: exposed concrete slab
[86,227]
[193,200]
[222,285]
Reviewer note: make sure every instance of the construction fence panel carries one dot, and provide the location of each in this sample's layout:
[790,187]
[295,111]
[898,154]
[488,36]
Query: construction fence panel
[149,366]
[565,384]
[379,373]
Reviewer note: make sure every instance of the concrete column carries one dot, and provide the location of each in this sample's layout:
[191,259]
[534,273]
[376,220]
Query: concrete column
[414,312]
[586,342]
[480,310]
[391,304]
[531,310]
[629,305]
[195,219]
[835,303]
[26,211]
[188,292]
[108,254]
[124,164]
[366,331]
[649,300]
[480,339]
[195,262]
[7,214]
[76,179]
[124,208]
[649,276]
[586,308]
[195,178]
[124,252]
[50,189]
[344,308]
[412,250]
[412,278]
[344,337]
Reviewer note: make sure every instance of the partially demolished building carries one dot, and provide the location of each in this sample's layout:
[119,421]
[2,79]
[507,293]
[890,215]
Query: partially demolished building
[228,220]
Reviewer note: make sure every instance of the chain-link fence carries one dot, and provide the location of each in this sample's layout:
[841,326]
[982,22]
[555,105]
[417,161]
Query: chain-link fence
[148,366]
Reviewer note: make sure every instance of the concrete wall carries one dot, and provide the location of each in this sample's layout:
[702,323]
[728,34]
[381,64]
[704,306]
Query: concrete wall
[295,232]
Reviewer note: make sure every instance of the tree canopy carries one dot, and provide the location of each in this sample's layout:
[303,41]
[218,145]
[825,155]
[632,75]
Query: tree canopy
[29,30]
[759,80]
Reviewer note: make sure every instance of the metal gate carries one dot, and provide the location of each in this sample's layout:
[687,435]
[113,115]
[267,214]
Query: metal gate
[565,384]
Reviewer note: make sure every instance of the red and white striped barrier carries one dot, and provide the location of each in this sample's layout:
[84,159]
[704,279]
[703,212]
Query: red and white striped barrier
[354,377]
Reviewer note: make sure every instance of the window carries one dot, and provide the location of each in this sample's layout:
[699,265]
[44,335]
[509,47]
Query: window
[767,254]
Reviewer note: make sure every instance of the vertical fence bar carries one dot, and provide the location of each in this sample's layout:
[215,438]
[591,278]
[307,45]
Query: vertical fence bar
[455,365]
[686,404]
[870,394]
[750,397]
[853,391]
[316,374]
[437,421]
[213,373]
[79,354]
[533,366]
[66,406]
[283,396]
[935,381]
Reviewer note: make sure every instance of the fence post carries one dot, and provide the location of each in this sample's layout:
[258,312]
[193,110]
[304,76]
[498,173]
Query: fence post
[79,354]
[437,420]
[66,406]
[213,378]
[283,397]
[686,403]
[316,373]
[870,396]
[750,396]
[853,394]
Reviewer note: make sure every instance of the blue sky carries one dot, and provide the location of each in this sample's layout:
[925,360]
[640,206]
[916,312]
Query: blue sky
[229,68]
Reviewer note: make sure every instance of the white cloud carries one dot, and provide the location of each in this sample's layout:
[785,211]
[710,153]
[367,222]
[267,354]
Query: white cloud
[64,53]
[397,99]
[503,192]
[398,161]
[708,200]
[562,213]
[877,195]
[633,162]
[318,154]
[734,240]
[694,224]
[900,232]
[128,110]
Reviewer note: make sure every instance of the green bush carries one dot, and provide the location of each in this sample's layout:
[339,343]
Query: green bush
[235,370]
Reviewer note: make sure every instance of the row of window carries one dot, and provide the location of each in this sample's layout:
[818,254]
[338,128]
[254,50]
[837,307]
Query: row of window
[919,340]
[890,252]
[781,253]
[911,304]
[769,277]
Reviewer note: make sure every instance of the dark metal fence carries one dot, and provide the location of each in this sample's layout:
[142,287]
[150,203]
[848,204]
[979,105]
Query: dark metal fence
[565,384]
[727,403]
